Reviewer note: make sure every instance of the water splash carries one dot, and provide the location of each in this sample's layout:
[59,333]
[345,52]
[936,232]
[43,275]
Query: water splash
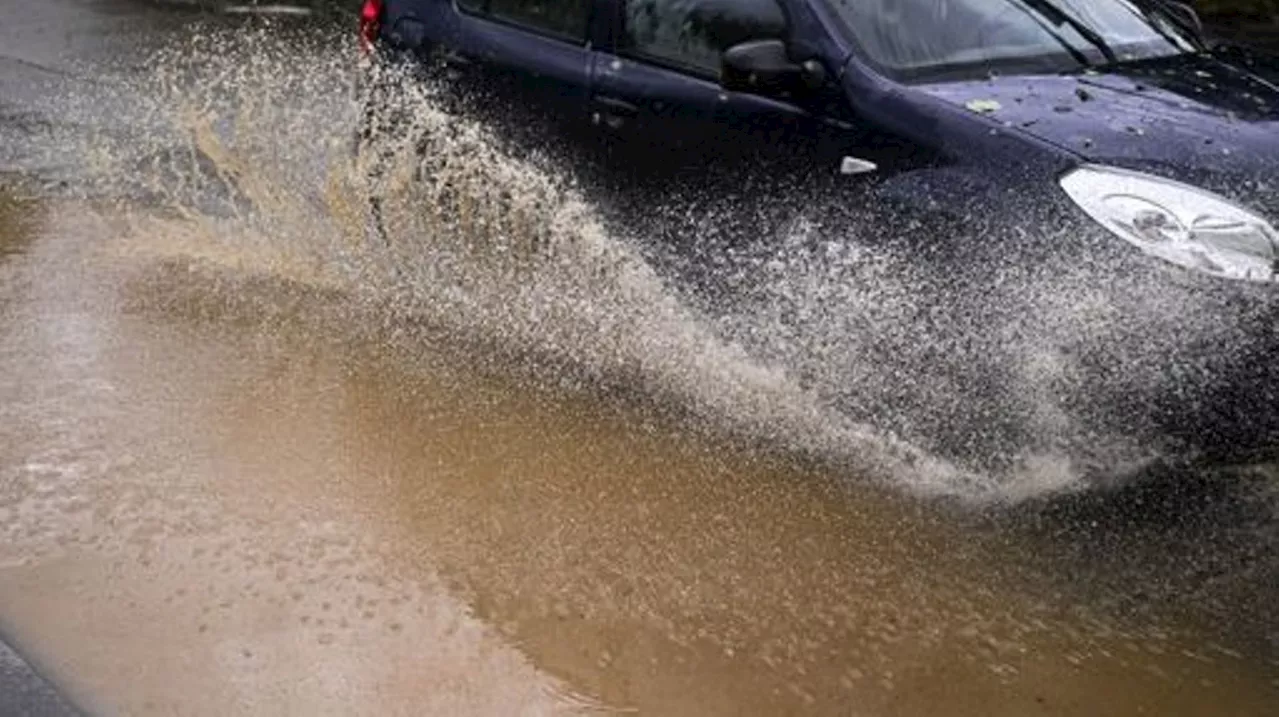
[241,158]
[244,161]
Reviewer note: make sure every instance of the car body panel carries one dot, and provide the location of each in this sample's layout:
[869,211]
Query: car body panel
[1145,117]
[1184,113]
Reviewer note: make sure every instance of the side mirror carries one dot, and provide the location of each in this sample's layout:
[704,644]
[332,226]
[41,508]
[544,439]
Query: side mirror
[764,67]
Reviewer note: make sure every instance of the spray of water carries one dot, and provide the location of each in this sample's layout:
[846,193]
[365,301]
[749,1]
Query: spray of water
[243,155]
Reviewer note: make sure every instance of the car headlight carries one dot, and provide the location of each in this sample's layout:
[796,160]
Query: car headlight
[1176,222]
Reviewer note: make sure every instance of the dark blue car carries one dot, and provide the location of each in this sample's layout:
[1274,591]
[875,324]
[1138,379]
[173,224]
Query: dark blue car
[1086,184]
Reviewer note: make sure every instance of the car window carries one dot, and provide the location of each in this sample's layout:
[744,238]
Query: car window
[911,38]
[692,34]
[563,18]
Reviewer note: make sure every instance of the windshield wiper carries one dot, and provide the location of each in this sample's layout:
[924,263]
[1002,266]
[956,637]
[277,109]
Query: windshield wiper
[1058,16]
[1168,10]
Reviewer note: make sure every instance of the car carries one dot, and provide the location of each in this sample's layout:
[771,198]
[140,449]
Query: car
[1079,198]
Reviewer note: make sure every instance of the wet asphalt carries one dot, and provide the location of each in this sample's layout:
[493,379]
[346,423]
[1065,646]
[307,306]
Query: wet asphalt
[24,692]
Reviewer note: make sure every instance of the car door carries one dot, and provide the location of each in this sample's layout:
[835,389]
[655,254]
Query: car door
[656,92]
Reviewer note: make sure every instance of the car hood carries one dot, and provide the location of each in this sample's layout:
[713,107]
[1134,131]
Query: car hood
[1190,118]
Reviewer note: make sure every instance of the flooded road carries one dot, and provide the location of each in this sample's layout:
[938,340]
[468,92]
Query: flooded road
[243,470]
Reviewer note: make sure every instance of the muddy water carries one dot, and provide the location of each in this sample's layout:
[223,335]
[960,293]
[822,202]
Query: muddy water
[256,460]
[213,508]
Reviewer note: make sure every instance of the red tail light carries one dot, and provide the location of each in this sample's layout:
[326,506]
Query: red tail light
[370,24]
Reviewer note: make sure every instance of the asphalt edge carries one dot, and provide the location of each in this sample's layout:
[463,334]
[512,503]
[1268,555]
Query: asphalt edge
[26,690]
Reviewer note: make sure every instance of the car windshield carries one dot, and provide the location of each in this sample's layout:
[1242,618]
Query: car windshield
[920,39]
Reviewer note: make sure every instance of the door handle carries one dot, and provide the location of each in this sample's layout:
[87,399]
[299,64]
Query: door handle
[617,107]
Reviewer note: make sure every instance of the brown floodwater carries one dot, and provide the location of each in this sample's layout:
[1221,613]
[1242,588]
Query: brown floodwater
[219,496]
[254,460]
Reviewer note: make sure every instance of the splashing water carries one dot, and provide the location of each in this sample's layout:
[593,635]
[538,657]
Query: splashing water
[239,159]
